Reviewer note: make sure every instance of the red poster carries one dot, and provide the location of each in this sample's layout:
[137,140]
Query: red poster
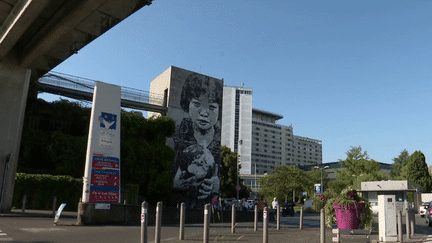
[105,180]
[104,196]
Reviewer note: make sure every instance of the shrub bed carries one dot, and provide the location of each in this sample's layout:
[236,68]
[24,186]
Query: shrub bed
[41,190]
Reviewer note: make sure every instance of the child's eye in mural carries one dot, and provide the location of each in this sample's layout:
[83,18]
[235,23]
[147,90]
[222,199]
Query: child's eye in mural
[196,103]
[214,107]
[203,114]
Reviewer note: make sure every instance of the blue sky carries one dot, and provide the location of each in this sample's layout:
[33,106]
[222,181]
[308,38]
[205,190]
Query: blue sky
[348,73]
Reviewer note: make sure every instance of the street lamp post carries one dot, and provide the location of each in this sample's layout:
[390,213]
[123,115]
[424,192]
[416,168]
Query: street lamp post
[322,185]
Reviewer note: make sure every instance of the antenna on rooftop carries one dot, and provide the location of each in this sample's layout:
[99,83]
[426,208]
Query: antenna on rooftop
[242,84]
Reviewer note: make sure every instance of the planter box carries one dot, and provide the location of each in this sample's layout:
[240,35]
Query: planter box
[348,216]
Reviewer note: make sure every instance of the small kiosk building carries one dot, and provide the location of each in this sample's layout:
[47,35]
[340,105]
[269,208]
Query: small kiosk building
[400,189]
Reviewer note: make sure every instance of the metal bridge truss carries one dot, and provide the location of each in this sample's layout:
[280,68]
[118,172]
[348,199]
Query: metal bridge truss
[82,89]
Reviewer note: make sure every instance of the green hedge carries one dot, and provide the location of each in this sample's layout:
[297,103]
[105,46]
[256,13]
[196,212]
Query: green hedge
[41,190]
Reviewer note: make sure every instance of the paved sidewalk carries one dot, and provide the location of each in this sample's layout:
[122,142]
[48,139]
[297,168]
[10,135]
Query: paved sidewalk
[244,231]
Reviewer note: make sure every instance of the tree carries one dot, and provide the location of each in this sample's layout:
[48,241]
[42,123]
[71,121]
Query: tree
[54,138]
[399,163]
[146,160]
[416,170]
[358,167]
[229,173]
[54,141]
[282,181]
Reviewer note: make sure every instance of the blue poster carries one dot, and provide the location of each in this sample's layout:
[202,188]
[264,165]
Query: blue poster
[318,189]
[108,120]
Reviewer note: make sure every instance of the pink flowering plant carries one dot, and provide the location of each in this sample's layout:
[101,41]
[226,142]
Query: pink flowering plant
[347,197]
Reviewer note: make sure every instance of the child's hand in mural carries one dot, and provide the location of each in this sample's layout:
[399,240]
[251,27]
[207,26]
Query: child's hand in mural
[180,180]
[209,186]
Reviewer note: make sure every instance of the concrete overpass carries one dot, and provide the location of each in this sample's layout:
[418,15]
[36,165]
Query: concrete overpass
[35,37]
[82,89]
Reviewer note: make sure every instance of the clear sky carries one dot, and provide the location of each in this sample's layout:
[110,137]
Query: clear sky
[348,73]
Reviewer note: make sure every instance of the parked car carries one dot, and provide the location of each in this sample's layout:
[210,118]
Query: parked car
[288,209]
[423,210]
[428,214]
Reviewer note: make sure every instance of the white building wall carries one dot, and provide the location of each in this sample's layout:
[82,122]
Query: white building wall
[159,85]
[244,124]
[308,151]
[228,110]
[274,144]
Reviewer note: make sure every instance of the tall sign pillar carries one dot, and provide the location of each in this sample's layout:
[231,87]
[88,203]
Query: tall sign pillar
[101,182]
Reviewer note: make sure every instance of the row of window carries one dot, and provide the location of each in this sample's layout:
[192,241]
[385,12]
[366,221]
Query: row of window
[248,92]
[265,151]
[262,161]
[266,156]
[266,125]
[306,145]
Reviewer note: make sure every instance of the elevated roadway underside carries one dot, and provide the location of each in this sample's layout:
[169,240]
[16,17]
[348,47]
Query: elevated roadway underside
[35,37]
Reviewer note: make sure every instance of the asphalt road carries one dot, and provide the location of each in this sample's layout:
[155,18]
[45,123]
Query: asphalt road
[36,229]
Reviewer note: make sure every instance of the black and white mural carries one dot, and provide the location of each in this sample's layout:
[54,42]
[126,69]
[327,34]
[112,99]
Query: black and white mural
[196,106]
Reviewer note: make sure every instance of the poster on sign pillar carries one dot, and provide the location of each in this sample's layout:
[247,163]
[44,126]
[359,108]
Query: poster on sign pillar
[101,182]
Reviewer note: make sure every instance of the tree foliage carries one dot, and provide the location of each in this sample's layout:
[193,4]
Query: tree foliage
[356,168]
[398,163]
[416,170]
[54,138]
[146,159]
[282,181]
[54,141]
[228,175]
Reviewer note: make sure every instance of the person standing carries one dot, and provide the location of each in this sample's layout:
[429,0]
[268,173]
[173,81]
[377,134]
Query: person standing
[275,203]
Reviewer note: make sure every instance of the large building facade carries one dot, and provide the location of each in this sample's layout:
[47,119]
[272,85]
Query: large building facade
[274,144]
[237,123]
[262,143]
[194,102]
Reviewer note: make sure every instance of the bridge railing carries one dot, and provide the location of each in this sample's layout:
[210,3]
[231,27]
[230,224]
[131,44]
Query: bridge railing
[87,85]
[70,82]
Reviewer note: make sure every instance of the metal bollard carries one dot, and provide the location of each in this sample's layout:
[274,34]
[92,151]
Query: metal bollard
[206,233]
[278,217]
[322,226]
[301,218]
[407,223]
[265,226]
[233,218]
[24,203]
[182,221]
[54,206]
[256,218]
[412,222]
[399,225]
[158,222]
[144,222]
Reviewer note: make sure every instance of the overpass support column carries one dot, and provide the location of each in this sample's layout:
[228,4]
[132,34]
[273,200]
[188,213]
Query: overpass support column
[14,84]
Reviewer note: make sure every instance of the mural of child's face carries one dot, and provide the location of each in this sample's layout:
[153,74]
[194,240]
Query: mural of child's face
[204,114]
